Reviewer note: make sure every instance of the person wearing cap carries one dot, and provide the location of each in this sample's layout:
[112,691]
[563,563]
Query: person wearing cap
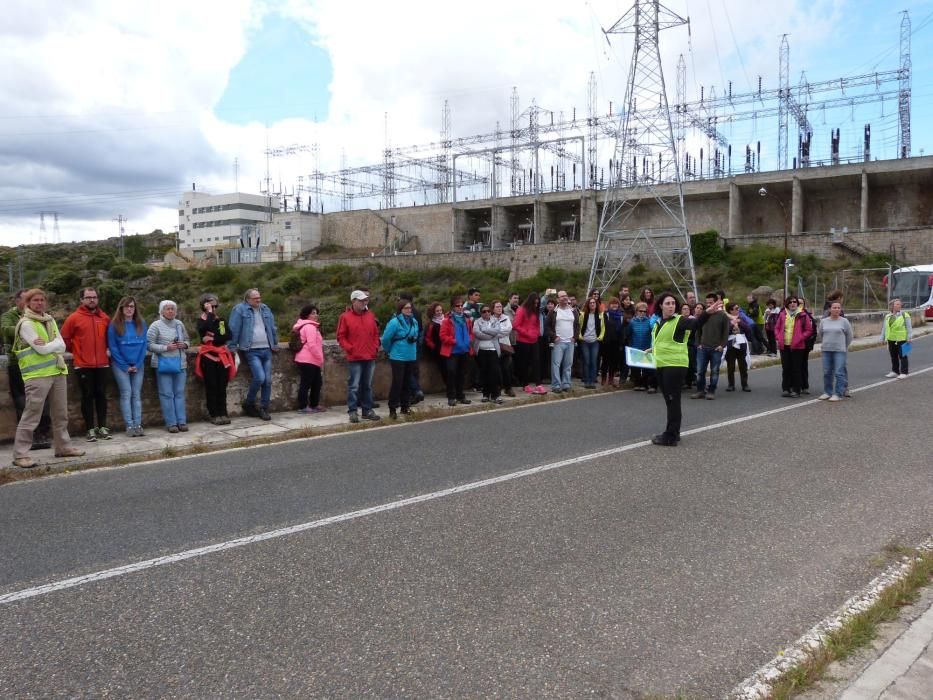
[252,332]
[214,363]
[358,336]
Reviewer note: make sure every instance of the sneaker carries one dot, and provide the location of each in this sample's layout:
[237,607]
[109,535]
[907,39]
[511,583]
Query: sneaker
[745,388]
[306,410]
[91,435]
[891,375]
[354,417]
[541,389]
[806,391]
[182,428]
[823,397]
[24,462]
[529,389]
[250,410]
[902,376]
[711,396]
[556,390]
[509,392]
[795,395]
[419,397]
[173,428]
[566,389]
[835,398]
[641,388]
[698,395]
[485,399]
[498,401]
[319,409]
[103,433]
[785,394]
[264,414]
[70,452]
[847,394]
[371,415]
[652,390]
[464,401]
[451,402]
[730,388]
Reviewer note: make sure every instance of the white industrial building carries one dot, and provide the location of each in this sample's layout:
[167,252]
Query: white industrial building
[240,227]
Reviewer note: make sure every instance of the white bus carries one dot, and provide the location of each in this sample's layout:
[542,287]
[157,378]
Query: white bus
[914,286]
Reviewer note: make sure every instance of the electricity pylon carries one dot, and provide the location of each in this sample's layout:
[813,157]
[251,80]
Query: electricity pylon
[643,215]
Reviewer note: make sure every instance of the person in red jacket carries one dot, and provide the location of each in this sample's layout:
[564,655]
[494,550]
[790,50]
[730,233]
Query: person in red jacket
[85,336]
[457,348]
[358,335]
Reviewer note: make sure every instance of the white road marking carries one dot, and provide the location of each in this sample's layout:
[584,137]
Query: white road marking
[385,507]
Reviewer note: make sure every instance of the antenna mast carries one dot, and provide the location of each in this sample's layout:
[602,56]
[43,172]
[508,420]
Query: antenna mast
[645,171]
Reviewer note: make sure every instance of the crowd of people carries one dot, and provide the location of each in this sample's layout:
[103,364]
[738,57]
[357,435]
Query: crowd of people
[533,345]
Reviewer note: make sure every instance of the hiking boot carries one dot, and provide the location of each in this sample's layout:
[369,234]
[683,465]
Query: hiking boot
[371,415]
[354,417]
[250,410]
[393,414]
[698,395]
[172,428]
[406,411]
[745,388]
[103,433]
[730,388]
[91,435]
[464,401]
[70,452]
[451,402]
[182,428]
[264,414]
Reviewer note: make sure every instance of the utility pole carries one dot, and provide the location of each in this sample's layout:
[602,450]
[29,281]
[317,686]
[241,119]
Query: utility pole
[120,221]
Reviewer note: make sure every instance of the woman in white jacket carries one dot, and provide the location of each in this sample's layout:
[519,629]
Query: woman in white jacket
[488,332]
[168,342]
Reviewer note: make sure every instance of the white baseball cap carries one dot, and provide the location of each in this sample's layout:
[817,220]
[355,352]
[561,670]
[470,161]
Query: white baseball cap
[359,294]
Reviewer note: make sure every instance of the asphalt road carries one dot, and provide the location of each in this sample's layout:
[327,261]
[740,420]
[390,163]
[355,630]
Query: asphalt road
[651,570]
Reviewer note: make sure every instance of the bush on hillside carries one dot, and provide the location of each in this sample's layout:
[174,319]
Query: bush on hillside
[706,248]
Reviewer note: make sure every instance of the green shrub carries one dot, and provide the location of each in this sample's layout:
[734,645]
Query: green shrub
[220,275]
[706,248]
[290,284]
[63,282]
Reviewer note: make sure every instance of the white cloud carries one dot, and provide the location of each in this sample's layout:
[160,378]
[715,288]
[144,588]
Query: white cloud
[116,97]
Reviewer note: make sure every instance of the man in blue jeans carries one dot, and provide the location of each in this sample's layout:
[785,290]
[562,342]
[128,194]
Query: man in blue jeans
[358,336]
[562,326]
[252,331]
[711,342]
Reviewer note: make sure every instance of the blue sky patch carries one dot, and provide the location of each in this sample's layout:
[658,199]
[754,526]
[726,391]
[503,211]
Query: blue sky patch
[282,75]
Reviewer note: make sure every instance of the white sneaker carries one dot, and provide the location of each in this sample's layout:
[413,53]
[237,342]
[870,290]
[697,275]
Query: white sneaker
[891,375]
[823,397]
[835,398]
[902,376]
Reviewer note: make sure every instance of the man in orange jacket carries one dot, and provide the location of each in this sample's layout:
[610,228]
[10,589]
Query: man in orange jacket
[85,336]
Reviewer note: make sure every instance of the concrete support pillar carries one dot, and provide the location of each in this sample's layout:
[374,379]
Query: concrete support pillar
[589,216]
[499,221]
[540,221]
[796,209]
[459,229]
[735,210]
[863,214]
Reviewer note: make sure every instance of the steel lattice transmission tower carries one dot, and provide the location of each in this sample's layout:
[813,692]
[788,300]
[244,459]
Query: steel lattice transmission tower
[645,174]
[903,97]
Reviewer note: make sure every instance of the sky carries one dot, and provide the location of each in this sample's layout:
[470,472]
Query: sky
[115,108]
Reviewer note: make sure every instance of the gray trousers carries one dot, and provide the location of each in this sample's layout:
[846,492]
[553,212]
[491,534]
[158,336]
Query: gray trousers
[37,389]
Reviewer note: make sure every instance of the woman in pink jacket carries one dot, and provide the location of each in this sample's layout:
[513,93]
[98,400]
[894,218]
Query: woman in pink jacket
[310,360]
[792,329]
[527,327]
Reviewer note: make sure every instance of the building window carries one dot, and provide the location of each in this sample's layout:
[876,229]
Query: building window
[181,212]
[181,227]
[288,224]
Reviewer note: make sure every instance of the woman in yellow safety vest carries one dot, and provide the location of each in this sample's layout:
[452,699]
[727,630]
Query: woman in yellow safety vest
[669,345]
[40,352]
[897,330]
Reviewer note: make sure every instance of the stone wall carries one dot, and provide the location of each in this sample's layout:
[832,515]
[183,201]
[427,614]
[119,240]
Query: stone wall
[284,390]
[432,224]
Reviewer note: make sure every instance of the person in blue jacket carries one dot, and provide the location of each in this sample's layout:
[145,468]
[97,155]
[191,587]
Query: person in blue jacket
[639,337]
[126,340]
[400,342]
[252,332]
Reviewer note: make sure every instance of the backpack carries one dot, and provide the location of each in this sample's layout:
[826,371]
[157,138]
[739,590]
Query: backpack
[295,343]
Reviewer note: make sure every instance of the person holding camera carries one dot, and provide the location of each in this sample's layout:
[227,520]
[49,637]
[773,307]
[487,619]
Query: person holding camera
[214,363]
[400,341]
